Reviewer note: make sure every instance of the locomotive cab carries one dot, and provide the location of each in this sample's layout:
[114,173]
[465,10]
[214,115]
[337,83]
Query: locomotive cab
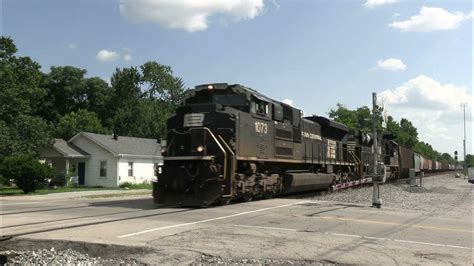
[201,146]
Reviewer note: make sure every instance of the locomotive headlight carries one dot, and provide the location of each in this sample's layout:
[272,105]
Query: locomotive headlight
[200,148]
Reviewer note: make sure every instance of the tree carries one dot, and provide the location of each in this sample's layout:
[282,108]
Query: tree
[446,157]
[20,77]
[66,89]
[161,84]
[20,95]
[75,122]
[360,119]
[98,93]
[125,101]
[143,98]
[426,150]
[407,134]
[27,172]
[470,160]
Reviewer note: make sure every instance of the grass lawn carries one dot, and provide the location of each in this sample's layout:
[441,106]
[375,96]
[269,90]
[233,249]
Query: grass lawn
[14,191]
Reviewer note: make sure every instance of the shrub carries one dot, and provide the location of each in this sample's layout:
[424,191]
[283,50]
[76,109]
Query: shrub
[58,180]
[26,170]
[125,184]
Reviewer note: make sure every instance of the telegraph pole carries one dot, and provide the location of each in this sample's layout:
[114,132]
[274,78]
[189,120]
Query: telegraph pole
[463,106]
[376,200]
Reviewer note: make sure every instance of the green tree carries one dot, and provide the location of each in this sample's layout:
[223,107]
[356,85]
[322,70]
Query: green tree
[446,157]
[470,160]
[427,151]
[20,77]
[143,98]
[360,118]
[98,93]
[27,172]
[125,101]
[160,84]
[66,89]
[20,95]
[407,134]
[75,122]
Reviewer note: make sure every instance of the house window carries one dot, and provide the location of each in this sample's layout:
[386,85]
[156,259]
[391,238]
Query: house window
[103,168]
[130,168]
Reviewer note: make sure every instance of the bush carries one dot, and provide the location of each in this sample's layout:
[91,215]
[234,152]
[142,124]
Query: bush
[125,184]
[144,185]
[26,170]
[58,180]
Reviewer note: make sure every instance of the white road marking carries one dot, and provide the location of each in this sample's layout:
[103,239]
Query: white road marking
[336,234]
[212,219]
[358,236]
[267,227]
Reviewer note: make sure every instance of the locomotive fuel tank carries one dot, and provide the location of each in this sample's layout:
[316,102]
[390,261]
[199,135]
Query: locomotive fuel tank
[297,182]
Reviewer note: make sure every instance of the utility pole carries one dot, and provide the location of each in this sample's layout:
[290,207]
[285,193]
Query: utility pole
[376,200]
[463,106]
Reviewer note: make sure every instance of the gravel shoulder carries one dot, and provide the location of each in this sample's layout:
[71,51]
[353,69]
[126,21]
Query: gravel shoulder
[441,196]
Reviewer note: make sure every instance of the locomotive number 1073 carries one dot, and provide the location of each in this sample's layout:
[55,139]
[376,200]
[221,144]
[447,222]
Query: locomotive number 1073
[261,127]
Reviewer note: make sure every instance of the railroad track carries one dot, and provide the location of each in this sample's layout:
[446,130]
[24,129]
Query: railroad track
[353,185]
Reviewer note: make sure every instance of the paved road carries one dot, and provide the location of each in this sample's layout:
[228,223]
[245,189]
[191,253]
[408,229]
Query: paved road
[279,228]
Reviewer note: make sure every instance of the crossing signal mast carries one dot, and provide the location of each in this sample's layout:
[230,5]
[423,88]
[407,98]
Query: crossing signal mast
[463,106]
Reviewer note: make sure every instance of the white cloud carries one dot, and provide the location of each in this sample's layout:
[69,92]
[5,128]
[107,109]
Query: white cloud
[72,45]
[127,57]
[391,64]
[288,101]
[107,56]
[432,19]
[375,3]
[190,15]
[434,108]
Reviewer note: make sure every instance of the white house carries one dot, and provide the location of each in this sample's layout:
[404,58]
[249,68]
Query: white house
[105,160]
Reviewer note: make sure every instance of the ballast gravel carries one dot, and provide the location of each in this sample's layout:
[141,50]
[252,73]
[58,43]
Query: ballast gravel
[212,260]
[57,257]
[440,194]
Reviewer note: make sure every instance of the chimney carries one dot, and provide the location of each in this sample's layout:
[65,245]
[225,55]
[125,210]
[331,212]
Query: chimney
[115,136]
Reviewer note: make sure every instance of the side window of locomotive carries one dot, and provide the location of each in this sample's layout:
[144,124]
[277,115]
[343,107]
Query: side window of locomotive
[296,117]
[261,108]
[287,114]
[278,112]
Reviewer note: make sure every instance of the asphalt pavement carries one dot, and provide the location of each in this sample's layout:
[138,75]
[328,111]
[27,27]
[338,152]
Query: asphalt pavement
[281,228]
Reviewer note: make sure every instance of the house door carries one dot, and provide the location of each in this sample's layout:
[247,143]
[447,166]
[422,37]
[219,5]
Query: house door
[81,171]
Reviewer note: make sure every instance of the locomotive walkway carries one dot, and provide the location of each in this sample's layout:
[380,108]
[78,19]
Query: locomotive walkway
[282,228]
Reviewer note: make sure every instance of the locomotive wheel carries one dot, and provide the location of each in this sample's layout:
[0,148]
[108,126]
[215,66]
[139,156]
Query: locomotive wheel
[247,197]
[224,201]
[267,194]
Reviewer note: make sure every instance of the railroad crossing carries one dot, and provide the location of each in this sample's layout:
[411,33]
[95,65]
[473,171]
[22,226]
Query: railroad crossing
[300,229]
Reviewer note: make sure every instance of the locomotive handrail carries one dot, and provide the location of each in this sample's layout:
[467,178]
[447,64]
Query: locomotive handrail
[218,144]
[234,162]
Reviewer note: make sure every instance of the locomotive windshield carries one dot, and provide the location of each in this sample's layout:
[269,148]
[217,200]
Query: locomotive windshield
[230,99]
[218,97]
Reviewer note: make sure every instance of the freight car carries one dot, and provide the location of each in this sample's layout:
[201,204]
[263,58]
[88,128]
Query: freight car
[410,159]
[230,142]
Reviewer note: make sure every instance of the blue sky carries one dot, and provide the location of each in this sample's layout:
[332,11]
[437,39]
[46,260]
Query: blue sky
[314,53]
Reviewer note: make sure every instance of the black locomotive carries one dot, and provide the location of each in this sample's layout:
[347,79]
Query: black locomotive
[230,142]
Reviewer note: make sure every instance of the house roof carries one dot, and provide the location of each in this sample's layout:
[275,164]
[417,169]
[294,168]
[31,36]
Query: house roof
[124,146]
[68,150]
